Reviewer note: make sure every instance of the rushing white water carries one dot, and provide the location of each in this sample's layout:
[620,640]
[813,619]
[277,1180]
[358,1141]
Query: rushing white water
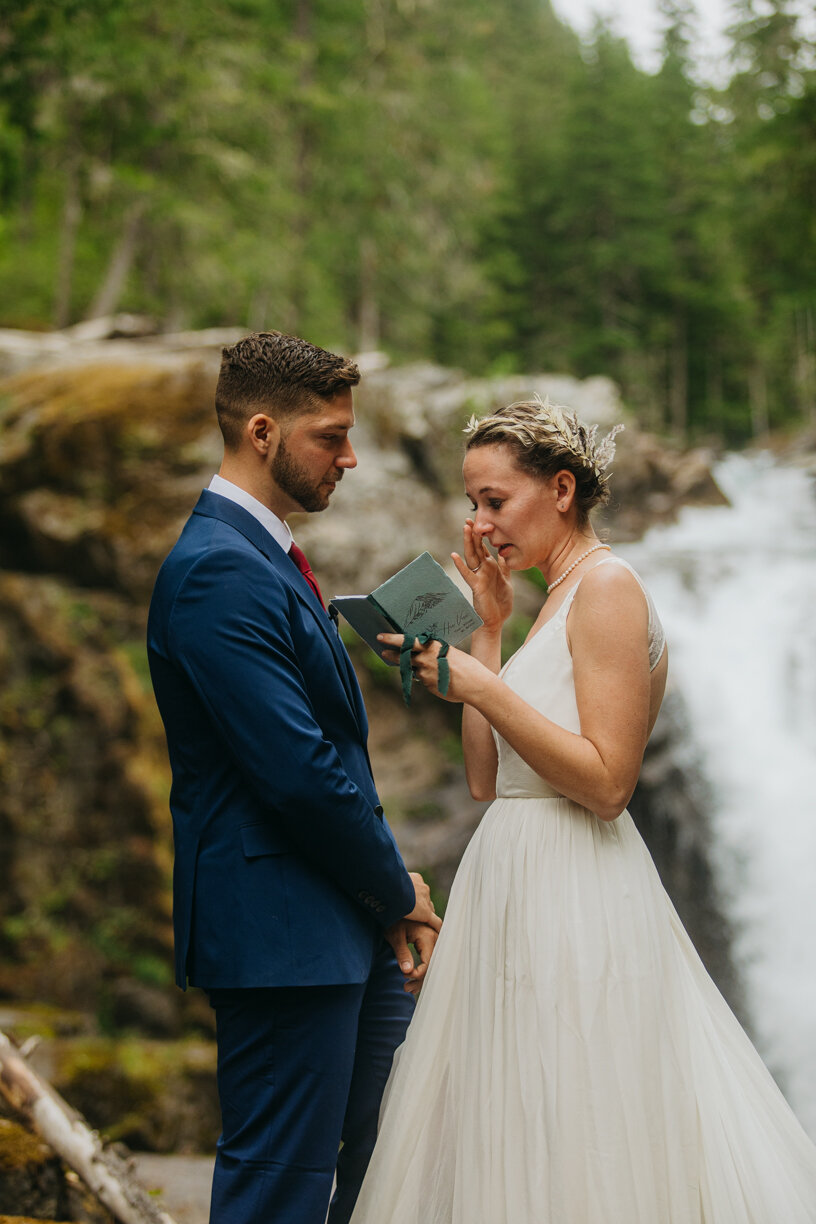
[736,590]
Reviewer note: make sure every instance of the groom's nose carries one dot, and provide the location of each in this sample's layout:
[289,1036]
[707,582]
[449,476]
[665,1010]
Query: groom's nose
[346,458]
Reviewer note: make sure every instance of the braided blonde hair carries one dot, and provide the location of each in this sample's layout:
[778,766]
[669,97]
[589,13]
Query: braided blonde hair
[547,438]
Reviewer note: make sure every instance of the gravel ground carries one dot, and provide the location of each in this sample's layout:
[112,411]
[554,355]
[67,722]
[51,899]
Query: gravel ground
[184,1182]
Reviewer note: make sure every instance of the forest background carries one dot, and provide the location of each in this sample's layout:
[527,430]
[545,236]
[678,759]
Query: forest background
[466,181]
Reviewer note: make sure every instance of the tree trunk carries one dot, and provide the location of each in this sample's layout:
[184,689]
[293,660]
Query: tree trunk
[678,385]
[714,387]
[71,215]
[107,1174]
[295,307]
[121,261]
[758,399]
[368,318]
[805,373]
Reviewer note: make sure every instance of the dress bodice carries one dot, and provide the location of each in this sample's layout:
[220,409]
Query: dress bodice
[541,673]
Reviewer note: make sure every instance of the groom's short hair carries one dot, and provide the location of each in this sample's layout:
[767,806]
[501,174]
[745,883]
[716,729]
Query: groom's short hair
[279,374]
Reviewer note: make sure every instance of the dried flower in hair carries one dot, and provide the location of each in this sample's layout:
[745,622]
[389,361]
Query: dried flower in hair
[555,425]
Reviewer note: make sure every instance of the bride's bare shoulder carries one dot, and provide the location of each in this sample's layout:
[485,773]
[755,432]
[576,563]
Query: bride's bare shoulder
[610,597]
[611,578]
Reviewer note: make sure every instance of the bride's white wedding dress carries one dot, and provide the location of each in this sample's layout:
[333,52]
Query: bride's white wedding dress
[570,1061]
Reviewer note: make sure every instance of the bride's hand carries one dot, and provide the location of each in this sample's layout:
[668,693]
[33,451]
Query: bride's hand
[487,576]
[467,675]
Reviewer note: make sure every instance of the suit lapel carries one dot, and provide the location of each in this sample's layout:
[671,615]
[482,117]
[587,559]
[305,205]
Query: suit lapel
[212,505]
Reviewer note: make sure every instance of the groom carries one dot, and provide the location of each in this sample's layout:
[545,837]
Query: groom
[292,906]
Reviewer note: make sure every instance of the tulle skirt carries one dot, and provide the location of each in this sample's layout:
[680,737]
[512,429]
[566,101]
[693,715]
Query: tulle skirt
[570,1061]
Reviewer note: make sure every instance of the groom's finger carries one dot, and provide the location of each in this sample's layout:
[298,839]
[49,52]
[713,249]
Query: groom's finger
[424,940]
[397,936]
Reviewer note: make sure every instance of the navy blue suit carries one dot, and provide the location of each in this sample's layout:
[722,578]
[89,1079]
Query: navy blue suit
[286,872]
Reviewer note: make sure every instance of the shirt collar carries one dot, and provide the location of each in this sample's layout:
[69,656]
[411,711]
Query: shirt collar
[277,528]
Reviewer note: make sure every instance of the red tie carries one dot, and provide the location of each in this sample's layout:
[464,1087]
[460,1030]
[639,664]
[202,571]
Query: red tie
[299,558]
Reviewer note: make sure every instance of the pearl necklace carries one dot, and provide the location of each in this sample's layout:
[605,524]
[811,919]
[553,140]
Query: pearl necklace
[552,585]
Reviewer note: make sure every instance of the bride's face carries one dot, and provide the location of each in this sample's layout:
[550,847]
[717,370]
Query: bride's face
[515,511]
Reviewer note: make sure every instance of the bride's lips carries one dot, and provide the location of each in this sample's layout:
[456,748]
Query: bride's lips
[502,549]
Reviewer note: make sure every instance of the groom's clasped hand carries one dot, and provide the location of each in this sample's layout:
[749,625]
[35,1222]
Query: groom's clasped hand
[421,928]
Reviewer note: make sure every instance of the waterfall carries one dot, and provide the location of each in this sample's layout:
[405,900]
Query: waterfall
[736,590]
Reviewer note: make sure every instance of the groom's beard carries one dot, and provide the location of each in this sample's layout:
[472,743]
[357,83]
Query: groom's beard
[293,479]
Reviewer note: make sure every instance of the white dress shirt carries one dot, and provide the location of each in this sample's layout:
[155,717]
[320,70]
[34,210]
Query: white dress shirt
[277,528]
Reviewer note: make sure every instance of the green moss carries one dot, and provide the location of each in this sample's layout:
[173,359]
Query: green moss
[147,1062]
[43,1020]
[366,661]
[451,746]
[535,577]
[152,970]
[427,809]
[26,1220]
[514,633]
[135,656]
[19,1148]
[32,931]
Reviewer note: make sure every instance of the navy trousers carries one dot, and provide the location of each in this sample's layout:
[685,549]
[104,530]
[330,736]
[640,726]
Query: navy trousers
[301,1068]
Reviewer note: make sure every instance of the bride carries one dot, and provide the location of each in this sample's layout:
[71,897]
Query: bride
[569,1060]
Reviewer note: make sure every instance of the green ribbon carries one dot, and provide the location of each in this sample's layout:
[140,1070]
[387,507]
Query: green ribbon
[406,675]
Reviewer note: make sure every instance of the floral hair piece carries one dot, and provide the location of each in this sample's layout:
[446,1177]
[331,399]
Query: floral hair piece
[541,422]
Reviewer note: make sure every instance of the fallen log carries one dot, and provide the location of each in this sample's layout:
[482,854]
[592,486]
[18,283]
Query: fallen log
[104,1171]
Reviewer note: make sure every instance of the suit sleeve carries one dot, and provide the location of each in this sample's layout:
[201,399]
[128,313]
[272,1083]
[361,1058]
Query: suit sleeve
[230,631]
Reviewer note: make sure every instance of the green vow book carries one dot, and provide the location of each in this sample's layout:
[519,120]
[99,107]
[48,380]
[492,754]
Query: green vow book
[419,599]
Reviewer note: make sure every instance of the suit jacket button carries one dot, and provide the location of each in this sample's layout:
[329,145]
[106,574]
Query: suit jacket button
[380,909]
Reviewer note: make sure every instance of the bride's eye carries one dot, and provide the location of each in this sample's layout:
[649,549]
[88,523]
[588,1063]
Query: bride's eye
[495,503]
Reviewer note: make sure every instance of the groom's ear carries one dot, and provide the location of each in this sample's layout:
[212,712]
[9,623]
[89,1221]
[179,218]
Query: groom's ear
[264,434]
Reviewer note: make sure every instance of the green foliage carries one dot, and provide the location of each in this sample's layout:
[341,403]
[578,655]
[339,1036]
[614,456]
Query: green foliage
[465,181]
[515,632]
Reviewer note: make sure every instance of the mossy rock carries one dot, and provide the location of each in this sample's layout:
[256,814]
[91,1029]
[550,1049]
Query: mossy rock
[153,1096]
[79,448]
[7,1219]
[31,1175]
[20,1149]
[82,752]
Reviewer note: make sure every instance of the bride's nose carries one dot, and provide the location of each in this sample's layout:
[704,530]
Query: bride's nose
[483,525]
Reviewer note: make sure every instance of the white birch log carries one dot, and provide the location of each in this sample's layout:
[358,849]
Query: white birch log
[107,1175]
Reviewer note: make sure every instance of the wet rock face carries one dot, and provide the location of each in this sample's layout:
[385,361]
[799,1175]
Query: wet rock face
[97,467]
[83,822]
[651,481]
[670,808]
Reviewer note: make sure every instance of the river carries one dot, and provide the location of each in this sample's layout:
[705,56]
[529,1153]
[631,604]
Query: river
[736,590]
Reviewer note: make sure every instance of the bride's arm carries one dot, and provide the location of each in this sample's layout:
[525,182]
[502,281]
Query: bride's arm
[598,768]
[478,744]
[489,581]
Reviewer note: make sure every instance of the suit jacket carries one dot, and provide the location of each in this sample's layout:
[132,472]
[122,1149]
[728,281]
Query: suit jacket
[286,872]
